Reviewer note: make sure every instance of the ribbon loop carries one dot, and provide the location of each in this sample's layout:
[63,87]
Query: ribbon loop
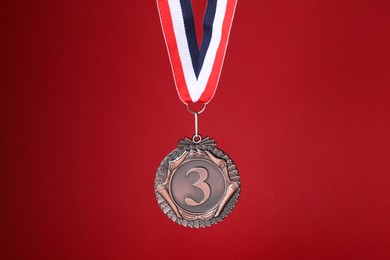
[196,70]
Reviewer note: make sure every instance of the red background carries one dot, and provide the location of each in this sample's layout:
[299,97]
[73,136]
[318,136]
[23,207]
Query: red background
[90,109]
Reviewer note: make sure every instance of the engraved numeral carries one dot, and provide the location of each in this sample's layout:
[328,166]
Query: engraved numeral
[201,184]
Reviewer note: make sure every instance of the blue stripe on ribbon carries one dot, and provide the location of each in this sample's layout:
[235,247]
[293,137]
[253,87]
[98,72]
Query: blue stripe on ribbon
[189,26]
[198,56]
[207,31]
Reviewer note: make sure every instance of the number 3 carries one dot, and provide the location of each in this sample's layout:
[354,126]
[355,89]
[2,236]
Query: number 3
[201,184]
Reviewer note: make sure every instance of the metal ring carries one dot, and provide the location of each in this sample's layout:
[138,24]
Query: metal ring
[199,112]
[196,136]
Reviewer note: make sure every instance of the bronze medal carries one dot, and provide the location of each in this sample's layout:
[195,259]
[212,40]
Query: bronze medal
[197,184]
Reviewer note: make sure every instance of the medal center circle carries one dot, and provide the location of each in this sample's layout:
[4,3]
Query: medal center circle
[198,186]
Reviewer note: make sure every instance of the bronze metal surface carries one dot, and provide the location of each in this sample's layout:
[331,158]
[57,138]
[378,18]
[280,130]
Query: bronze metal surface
[197,184]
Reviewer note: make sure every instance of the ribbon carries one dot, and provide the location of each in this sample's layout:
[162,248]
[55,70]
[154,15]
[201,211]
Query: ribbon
[196,70]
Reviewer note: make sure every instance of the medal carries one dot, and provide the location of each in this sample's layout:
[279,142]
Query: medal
[197,184]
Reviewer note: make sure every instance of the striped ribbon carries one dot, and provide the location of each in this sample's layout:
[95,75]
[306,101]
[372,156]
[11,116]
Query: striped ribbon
[196,70]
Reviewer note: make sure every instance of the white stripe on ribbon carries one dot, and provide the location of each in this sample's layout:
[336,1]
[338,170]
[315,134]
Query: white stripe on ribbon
[196,86]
